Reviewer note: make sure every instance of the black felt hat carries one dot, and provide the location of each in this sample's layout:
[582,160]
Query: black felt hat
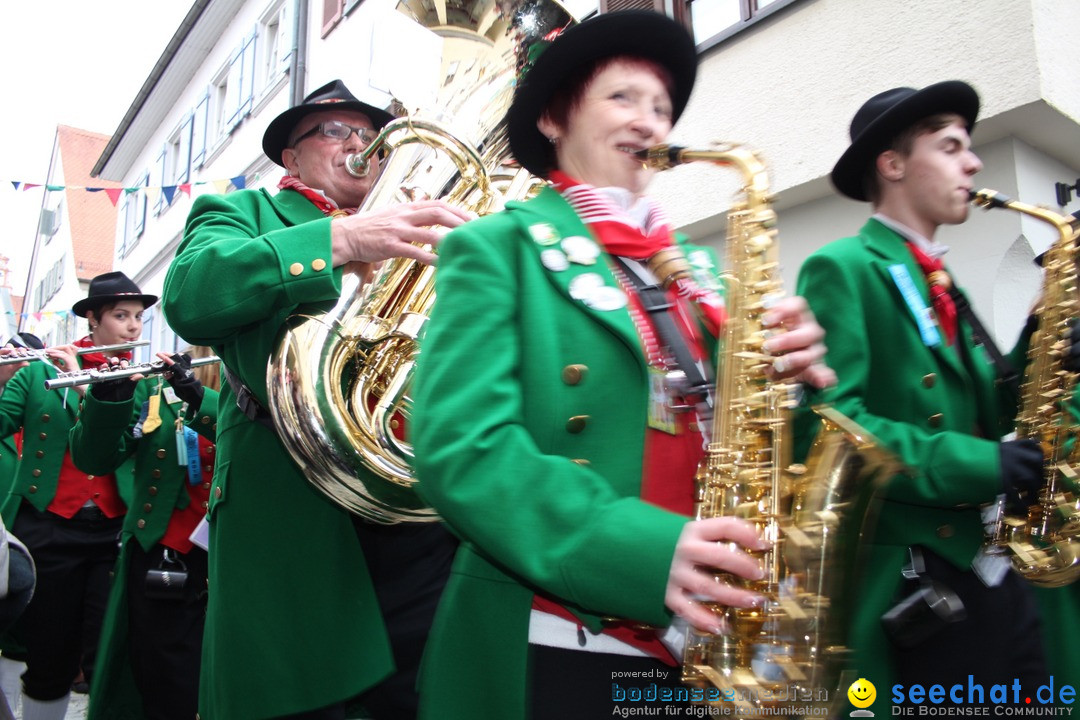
[111,287]
[637,33]
[331,96]
[26,340]
[884,116]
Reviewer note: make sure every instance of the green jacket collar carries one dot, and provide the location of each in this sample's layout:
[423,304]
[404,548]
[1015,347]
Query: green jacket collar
[891,249]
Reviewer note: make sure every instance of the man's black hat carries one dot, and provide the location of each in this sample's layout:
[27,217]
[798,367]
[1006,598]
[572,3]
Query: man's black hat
[111,287]
[331,96]
[26,340]
[636,33]
[887,114]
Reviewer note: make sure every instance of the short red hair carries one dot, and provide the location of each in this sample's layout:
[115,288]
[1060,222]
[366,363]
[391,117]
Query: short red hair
[570,95]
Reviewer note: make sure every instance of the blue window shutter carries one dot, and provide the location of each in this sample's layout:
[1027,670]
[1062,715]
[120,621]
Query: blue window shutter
[198,131]
[182,172]
[247,81]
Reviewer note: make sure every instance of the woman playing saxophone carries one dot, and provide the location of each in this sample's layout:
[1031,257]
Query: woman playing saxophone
[565,459]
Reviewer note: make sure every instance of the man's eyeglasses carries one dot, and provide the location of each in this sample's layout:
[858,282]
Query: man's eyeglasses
[339,131]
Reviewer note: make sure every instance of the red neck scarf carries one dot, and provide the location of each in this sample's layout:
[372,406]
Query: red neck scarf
[328,206]
[619,237]
[94,360]
[939,282]
[609,221]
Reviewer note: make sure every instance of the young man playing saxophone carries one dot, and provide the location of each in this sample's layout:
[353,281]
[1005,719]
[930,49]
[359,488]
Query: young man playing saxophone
[910,373]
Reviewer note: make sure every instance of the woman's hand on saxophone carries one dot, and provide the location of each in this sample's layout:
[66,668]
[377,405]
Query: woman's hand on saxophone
[372,237]
[704,548]
[799,345]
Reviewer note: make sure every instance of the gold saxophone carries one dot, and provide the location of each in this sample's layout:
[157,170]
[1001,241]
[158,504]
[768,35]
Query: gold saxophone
[790,651]
[338,382]
[1044,544]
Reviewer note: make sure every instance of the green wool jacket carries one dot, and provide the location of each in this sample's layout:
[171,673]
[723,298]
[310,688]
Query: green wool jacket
[292,620]
[46,417]
[1060,609]
[942,420]
[529,434]
[101,441]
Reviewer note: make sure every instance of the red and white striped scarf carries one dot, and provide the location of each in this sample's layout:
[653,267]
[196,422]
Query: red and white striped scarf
[317,198]
[621,236]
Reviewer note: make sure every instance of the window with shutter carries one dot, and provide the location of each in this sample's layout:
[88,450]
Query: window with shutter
[247,75]
[333,11]
[199,125]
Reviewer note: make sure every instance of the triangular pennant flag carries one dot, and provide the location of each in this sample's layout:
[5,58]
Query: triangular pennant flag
[221,186]
[239,181]
[185,188]
[129,191]
[37,316]
[16,183]
[152,194]
[168,191]
[54,188]
[27,186]
[114,194]
[90,189]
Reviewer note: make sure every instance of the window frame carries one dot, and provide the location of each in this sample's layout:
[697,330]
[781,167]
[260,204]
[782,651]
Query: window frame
[749,11]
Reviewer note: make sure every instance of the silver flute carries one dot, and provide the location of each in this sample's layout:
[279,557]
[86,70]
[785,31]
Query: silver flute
[90,376]
[40,354]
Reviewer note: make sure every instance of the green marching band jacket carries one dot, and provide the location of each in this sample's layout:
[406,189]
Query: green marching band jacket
[289,586]
[46,417]
[101,441]
[538,471]
[941,419]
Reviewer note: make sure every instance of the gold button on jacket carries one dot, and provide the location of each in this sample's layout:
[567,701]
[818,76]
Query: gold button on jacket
[577,423]
[573,374]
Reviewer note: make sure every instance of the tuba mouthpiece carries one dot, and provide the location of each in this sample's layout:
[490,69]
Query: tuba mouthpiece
[357,165]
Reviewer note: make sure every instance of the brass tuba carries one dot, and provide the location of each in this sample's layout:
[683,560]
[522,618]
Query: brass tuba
[338,381]
[791,650]
[1044,544]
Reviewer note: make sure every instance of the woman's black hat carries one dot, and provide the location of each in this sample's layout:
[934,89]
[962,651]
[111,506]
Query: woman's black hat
[636,33]
[886,115]
[331,96]
[111,287]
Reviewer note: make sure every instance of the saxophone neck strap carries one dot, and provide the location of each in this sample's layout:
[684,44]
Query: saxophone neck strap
[247,402]
[655,301]
[1006,373]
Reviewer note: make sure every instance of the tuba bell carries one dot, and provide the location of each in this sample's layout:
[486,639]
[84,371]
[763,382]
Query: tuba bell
[338,380]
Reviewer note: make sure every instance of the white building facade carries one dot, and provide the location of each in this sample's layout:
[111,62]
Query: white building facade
[782,76]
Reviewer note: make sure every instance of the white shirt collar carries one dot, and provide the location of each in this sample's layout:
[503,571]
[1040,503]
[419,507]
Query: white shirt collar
[636,210]
[930,247]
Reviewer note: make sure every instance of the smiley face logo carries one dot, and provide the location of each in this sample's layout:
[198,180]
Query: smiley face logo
[862,693]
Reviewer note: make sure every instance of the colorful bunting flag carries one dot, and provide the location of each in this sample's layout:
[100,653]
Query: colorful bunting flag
[240,182]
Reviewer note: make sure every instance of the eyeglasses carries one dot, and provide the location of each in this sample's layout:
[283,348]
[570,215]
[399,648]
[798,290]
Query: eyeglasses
[339,131]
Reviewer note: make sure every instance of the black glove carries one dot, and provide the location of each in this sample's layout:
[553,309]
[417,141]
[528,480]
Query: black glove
[1021,473]
[183,381]
[117,390]
[1072,354]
